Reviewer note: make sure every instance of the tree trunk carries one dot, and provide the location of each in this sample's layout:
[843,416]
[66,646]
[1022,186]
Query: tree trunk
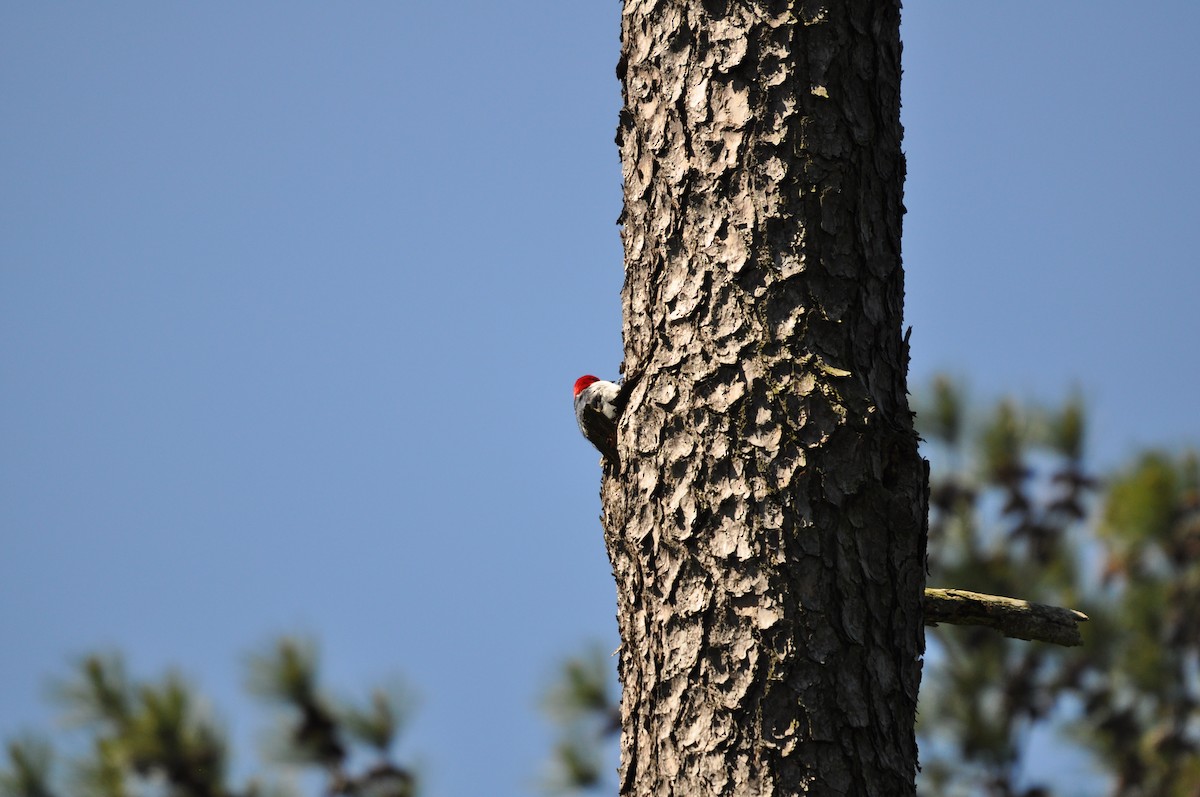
[767,526]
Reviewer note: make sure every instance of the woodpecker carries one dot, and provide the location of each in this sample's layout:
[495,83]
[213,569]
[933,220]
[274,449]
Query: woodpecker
[598,404]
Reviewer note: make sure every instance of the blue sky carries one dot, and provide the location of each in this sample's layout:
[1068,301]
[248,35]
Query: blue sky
[292,296]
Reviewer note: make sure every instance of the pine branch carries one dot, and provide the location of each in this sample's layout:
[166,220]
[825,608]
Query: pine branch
[1010,616]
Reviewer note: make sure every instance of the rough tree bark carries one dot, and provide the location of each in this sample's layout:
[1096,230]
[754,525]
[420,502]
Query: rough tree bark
[767,530]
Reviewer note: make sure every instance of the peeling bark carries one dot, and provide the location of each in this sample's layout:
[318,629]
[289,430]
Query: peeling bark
[767,529]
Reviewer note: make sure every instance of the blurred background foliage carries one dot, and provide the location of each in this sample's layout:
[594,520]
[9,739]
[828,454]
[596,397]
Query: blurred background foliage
[157,738]
[1013,511]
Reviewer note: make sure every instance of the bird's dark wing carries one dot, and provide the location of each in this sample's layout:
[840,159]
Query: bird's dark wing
[598,428]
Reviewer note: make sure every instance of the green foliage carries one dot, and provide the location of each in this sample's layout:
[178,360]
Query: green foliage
[584,688]
[1146,688]
[577,762]
[1142,504]
[30,760]
[141,732]
[287,676]
[99,692]
[1001,446]
[583,706]
[1012,518]
[286,673]
[378,724]
[1066,430]
[150,737]
[943,419]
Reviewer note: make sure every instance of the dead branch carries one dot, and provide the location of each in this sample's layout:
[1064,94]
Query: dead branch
[1012,617]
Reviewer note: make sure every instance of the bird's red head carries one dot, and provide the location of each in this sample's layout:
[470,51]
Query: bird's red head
[582,382]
